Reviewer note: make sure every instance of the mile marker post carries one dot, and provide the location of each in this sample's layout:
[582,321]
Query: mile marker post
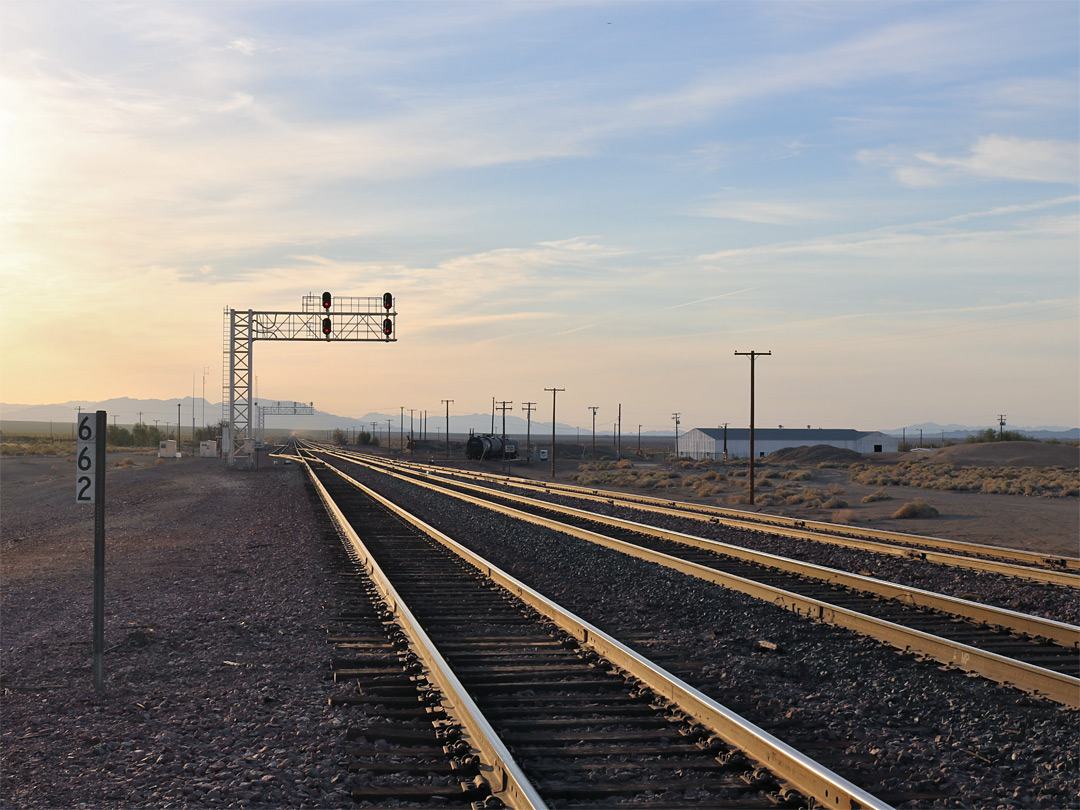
[90,488]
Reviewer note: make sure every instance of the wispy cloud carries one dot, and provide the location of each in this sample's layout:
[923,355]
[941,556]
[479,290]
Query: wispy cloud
[765,213]
[990,157]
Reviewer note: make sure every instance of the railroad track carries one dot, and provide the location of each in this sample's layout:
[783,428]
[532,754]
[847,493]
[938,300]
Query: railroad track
[1035,566]
[554,712]
[1034,654]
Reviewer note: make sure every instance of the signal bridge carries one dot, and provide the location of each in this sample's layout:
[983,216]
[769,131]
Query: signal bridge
[319,318]
[279,409]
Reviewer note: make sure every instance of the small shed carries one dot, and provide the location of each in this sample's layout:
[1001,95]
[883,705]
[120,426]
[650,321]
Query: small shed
[208,449]
[167,449]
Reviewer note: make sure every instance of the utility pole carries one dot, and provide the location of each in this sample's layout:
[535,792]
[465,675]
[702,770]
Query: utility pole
[388,422]
[411,410]
[505,406]
[401,428]
[493,416]
[447,403]
[725,441]
[618,441]
[528,407]
[554,392]
[593,408]
[753,356]
[639,440]
[676,416]
[205,371]
[1001,426]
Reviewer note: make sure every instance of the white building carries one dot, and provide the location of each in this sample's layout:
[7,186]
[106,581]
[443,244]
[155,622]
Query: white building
[711,442]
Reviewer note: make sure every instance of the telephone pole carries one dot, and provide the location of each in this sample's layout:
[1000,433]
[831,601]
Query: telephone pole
[593,408]
[554,392]
[401,428]
[618,441]
[528,407]
[447,403]
[676,416]
[753,356]
[1001,426]
[505,406]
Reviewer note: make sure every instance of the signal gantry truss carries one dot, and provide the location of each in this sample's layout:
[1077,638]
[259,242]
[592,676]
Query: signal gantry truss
[321,318]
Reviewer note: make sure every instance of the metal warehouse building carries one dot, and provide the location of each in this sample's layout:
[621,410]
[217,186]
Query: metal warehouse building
[711,442]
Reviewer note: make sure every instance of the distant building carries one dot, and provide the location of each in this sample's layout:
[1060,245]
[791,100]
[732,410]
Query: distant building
[709,442]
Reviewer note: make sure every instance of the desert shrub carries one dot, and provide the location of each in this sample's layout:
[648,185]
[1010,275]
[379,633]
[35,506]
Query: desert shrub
[844,516]
[880,495]
[917,508]
[624,464]
[35,447]
[798,475]
[834,503]
[835,489]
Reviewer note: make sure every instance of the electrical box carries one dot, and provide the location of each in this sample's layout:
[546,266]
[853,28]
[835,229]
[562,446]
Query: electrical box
[543,455]
[208,449]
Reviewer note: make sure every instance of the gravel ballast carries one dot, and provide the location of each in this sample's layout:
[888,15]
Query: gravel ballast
[862,708]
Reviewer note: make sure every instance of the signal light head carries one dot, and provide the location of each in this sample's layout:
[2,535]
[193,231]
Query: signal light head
[326,326]
[326,301]
[388,327]
[388,301]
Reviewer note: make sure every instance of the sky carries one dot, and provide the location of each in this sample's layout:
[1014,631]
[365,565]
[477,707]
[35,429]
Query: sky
[609,198]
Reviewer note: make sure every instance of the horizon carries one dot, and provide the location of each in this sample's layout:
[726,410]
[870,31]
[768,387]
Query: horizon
[610,198]
[437,420]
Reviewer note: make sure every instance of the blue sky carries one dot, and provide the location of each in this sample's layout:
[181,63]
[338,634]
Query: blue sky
[611,198]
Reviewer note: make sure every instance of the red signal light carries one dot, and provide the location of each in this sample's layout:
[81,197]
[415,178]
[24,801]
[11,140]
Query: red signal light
[326,326]
[326,301]
[388,327]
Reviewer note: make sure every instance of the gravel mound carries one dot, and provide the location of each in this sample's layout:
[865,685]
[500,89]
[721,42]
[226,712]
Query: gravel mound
[1007,454]
[815,454]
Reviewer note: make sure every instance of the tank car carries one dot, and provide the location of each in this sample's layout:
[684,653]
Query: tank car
[489,447]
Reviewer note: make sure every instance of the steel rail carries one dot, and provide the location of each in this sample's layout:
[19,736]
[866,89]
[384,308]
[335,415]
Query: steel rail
[1065,635]
[806,775]
[1061,571]
[499,767]
[1056,686]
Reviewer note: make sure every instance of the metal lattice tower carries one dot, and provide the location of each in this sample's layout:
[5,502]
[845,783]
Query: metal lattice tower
[347,318]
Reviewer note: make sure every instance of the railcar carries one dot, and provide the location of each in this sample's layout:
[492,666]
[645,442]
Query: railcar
[489,447]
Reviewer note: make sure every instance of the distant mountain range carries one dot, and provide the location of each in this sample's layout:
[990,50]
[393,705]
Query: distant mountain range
[127,411]
[932,430]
